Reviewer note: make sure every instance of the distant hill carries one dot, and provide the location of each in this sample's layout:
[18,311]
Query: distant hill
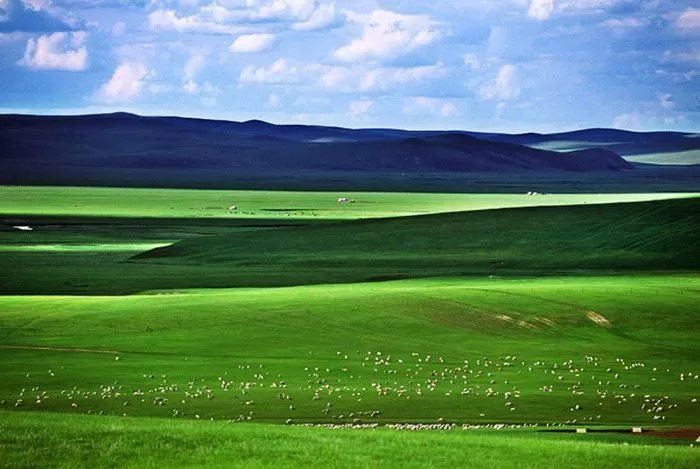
[126,141]
[122,149]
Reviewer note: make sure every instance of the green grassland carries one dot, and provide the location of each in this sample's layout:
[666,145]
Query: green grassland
[126,442]
[647,236]
[419,350]
[189,203]
[581,315]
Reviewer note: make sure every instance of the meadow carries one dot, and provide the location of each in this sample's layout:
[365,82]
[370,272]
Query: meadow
[125,329]
[192,203]
[149,442]
[605,350]
[231,250]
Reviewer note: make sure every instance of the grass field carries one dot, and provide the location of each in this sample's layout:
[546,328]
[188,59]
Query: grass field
[126,442]
[463,350]
[278,205]
[565,315]
[578,239]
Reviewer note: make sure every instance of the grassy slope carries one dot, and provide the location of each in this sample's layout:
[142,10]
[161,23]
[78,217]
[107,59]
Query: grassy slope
[334,340]
[29,440]
[649,235]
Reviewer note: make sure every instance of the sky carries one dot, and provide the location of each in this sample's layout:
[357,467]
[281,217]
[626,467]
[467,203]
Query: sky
[488,65]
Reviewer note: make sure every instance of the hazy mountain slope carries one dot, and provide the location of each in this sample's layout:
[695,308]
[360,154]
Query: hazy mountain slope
[124,141]
[649,147]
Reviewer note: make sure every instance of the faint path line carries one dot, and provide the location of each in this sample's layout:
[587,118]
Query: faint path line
[58,349]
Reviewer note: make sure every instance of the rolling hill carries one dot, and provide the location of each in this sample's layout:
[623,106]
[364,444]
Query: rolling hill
[643,147]
[125,141]
[658,235]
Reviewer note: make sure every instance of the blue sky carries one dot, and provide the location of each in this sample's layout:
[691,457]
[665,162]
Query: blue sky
[506,65]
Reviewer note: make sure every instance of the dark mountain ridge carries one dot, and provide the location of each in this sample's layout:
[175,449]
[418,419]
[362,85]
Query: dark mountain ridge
[122,140]
[122,149]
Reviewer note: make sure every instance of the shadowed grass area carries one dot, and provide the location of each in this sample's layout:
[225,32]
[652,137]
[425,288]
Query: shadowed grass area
[64,441]
[647,235]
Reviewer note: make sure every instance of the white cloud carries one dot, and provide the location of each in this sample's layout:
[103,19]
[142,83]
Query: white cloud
[192,67]
[57,51]
[278,72]
[169,20]
[324,15]
[689,20]
[240,16]
[341,78]
[387,35]
[356,78]
[281,9]
[303,14]
[252,43]
[360,107]
[426,105]
[384,78]
[37,5]
[126,83]
[505,86]
[540,9]
[334,77]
